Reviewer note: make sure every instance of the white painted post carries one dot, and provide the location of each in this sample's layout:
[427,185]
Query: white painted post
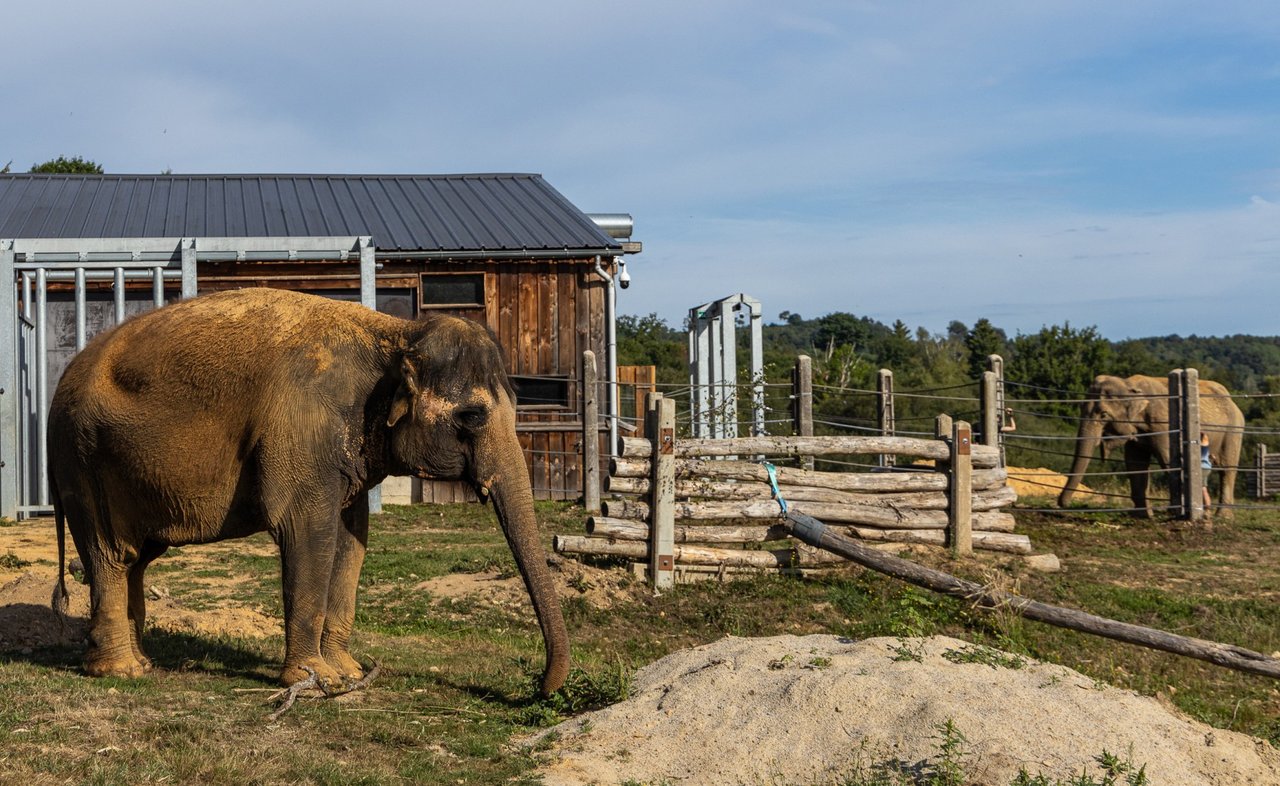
[369,299]
[188,268]
[9,396]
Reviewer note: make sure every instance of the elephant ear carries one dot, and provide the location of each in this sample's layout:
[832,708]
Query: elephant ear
[402,404]
[1138,403]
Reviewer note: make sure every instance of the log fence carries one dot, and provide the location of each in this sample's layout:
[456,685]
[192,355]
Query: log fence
[697,505]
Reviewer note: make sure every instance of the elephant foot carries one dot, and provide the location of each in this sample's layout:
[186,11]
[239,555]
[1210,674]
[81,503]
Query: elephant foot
[115,666]
[316,670]
[347,667]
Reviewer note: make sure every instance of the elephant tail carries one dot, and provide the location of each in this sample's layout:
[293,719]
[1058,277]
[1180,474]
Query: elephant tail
[60,601]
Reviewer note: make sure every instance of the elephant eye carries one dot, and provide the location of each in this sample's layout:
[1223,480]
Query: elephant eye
[471,418]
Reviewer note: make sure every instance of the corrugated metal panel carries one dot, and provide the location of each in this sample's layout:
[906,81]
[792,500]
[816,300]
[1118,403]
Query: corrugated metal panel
[430,213]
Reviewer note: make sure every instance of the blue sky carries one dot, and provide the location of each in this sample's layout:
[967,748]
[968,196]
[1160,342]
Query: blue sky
[1108,164]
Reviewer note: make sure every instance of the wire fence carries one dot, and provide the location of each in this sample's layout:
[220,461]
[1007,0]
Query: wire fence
[1049,424]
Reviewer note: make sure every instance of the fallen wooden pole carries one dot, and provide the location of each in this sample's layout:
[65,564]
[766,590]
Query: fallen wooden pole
[815,533]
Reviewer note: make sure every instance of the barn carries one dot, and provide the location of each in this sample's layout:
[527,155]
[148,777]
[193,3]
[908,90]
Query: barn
[508,250]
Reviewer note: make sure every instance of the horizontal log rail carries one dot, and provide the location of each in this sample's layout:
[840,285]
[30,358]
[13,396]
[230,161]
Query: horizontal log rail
[936,450]
[870,482]
[813,532]
[999,497]
[697,555]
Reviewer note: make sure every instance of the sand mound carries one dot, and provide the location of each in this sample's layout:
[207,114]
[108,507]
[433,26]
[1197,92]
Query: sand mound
[1041,482]
[819,709]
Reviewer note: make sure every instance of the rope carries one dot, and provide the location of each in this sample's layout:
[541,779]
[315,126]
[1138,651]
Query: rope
[773,484]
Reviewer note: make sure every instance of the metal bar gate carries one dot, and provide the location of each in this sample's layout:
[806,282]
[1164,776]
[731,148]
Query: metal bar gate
[53,300]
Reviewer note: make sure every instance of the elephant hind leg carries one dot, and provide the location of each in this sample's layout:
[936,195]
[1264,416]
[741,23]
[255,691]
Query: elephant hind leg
[137,597]
[1137,462]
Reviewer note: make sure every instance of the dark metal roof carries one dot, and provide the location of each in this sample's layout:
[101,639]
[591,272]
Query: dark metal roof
[428,213]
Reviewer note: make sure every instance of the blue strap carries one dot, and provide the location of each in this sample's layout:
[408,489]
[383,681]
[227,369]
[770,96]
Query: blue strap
[773,482]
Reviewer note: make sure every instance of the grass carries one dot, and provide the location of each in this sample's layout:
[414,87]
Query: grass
[460,676]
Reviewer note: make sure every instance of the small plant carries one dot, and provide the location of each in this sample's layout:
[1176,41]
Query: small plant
[906,651]
[819,662]
[11,561]
[949,769]
[582,691]
[986,656]
[1113,769]
[780,663]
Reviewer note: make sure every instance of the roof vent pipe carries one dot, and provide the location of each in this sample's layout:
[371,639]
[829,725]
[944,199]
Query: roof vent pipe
[615,225]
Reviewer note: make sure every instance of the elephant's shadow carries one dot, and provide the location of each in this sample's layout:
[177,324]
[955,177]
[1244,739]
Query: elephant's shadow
[33,633]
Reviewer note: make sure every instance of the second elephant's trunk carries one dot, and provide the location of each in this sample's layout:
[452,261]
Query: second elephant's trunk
[1086,443]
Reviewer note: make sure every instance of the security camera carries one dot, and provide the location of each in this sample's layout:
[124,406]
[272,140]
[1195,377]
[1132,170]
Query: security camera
[624,278]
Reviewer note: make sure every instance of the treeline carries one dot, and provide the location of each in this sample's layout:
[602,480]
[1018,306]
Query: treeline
[1056,362]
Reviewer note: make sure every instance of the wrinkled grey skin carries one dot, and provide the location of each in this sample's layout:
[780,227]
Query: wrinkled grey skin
[1135,412]
[261,409]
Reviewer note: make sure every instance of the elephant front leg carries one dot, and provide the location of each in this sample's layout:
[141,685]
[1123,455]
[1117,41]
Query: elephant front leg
[307,556]
[1137,463]
[341,613]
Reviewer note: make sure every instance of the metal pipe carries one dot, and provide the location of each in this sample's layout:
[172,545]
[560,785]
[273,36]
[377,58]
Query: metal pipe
[117,289]
[616,225]
[157,287]
[611,354]
[42,386]
[81,329]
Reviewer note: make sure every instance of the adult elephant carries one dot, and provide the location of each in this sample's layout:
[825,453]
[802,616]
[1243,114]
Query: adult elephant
[1135,410]
[262,409]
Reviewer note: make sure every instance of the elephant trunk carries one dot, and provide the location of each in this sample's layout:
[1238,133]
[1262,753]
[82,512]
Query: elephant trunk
[1086,443]
[513,503]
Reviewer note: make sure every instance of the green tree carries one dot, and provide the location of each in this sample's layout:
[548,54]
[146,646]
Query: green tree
[1059,361]
[649,341]
[983,340]
[75,165]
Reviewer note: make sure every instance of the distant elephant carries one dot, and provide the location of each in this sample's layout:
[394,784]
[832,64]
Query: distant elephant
[262,409]
[1135,411]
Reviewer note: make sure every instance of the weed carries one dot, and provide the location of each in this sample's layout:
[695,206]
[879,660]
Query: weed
[819,662]
[986,656]
[11,561]
[1113,770]
[904,650]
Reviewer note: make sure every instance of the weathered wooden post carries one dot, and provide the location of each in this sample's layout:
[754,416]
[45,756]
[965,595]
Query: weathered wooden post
[1260,470]
[660,428]
[1186,479]
[884,410]
[990,411]
[960,491]
[802,401]
[590,434]
[1194,473]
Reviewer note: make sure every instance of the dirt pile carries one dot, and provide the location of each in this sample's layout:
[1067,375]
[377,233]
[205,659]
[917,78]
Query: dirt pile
[819,709]
[1041,482]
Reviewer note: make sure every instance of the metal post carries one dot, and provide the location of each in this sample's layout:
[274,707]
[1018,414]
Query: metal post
[590,434]
[369,299]
[9,396]
[188,246]
[81,330]
[884,412]
[42,385]
[118,292]
[157,287]
[757,372]
[728,373]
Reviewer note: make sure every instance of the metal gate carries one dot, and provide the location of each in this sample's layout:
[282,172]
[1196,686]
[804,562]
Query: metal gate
[54,298]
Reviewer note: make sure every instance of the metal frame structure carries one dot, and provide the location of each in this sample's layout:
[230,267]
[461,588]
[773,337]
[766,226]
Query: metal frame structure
[27,266]
[713,366]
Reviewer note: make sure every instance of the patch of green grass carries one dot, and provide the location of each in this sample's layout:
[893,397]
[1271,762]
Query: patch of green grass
[986,656]
[11,561]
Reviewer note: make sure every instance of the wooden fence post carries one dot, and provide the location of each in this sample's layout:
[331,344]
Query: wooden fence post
[990,411]
[1177,461]
[1193,496]
[802,401]
[884,410]
[1260,464]
[960,491]
[590,434]
[660,428]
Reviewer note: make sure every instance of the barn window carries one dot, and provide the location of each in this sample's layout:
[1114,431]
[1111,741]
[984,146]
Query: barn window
[452,290]
[541,392]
